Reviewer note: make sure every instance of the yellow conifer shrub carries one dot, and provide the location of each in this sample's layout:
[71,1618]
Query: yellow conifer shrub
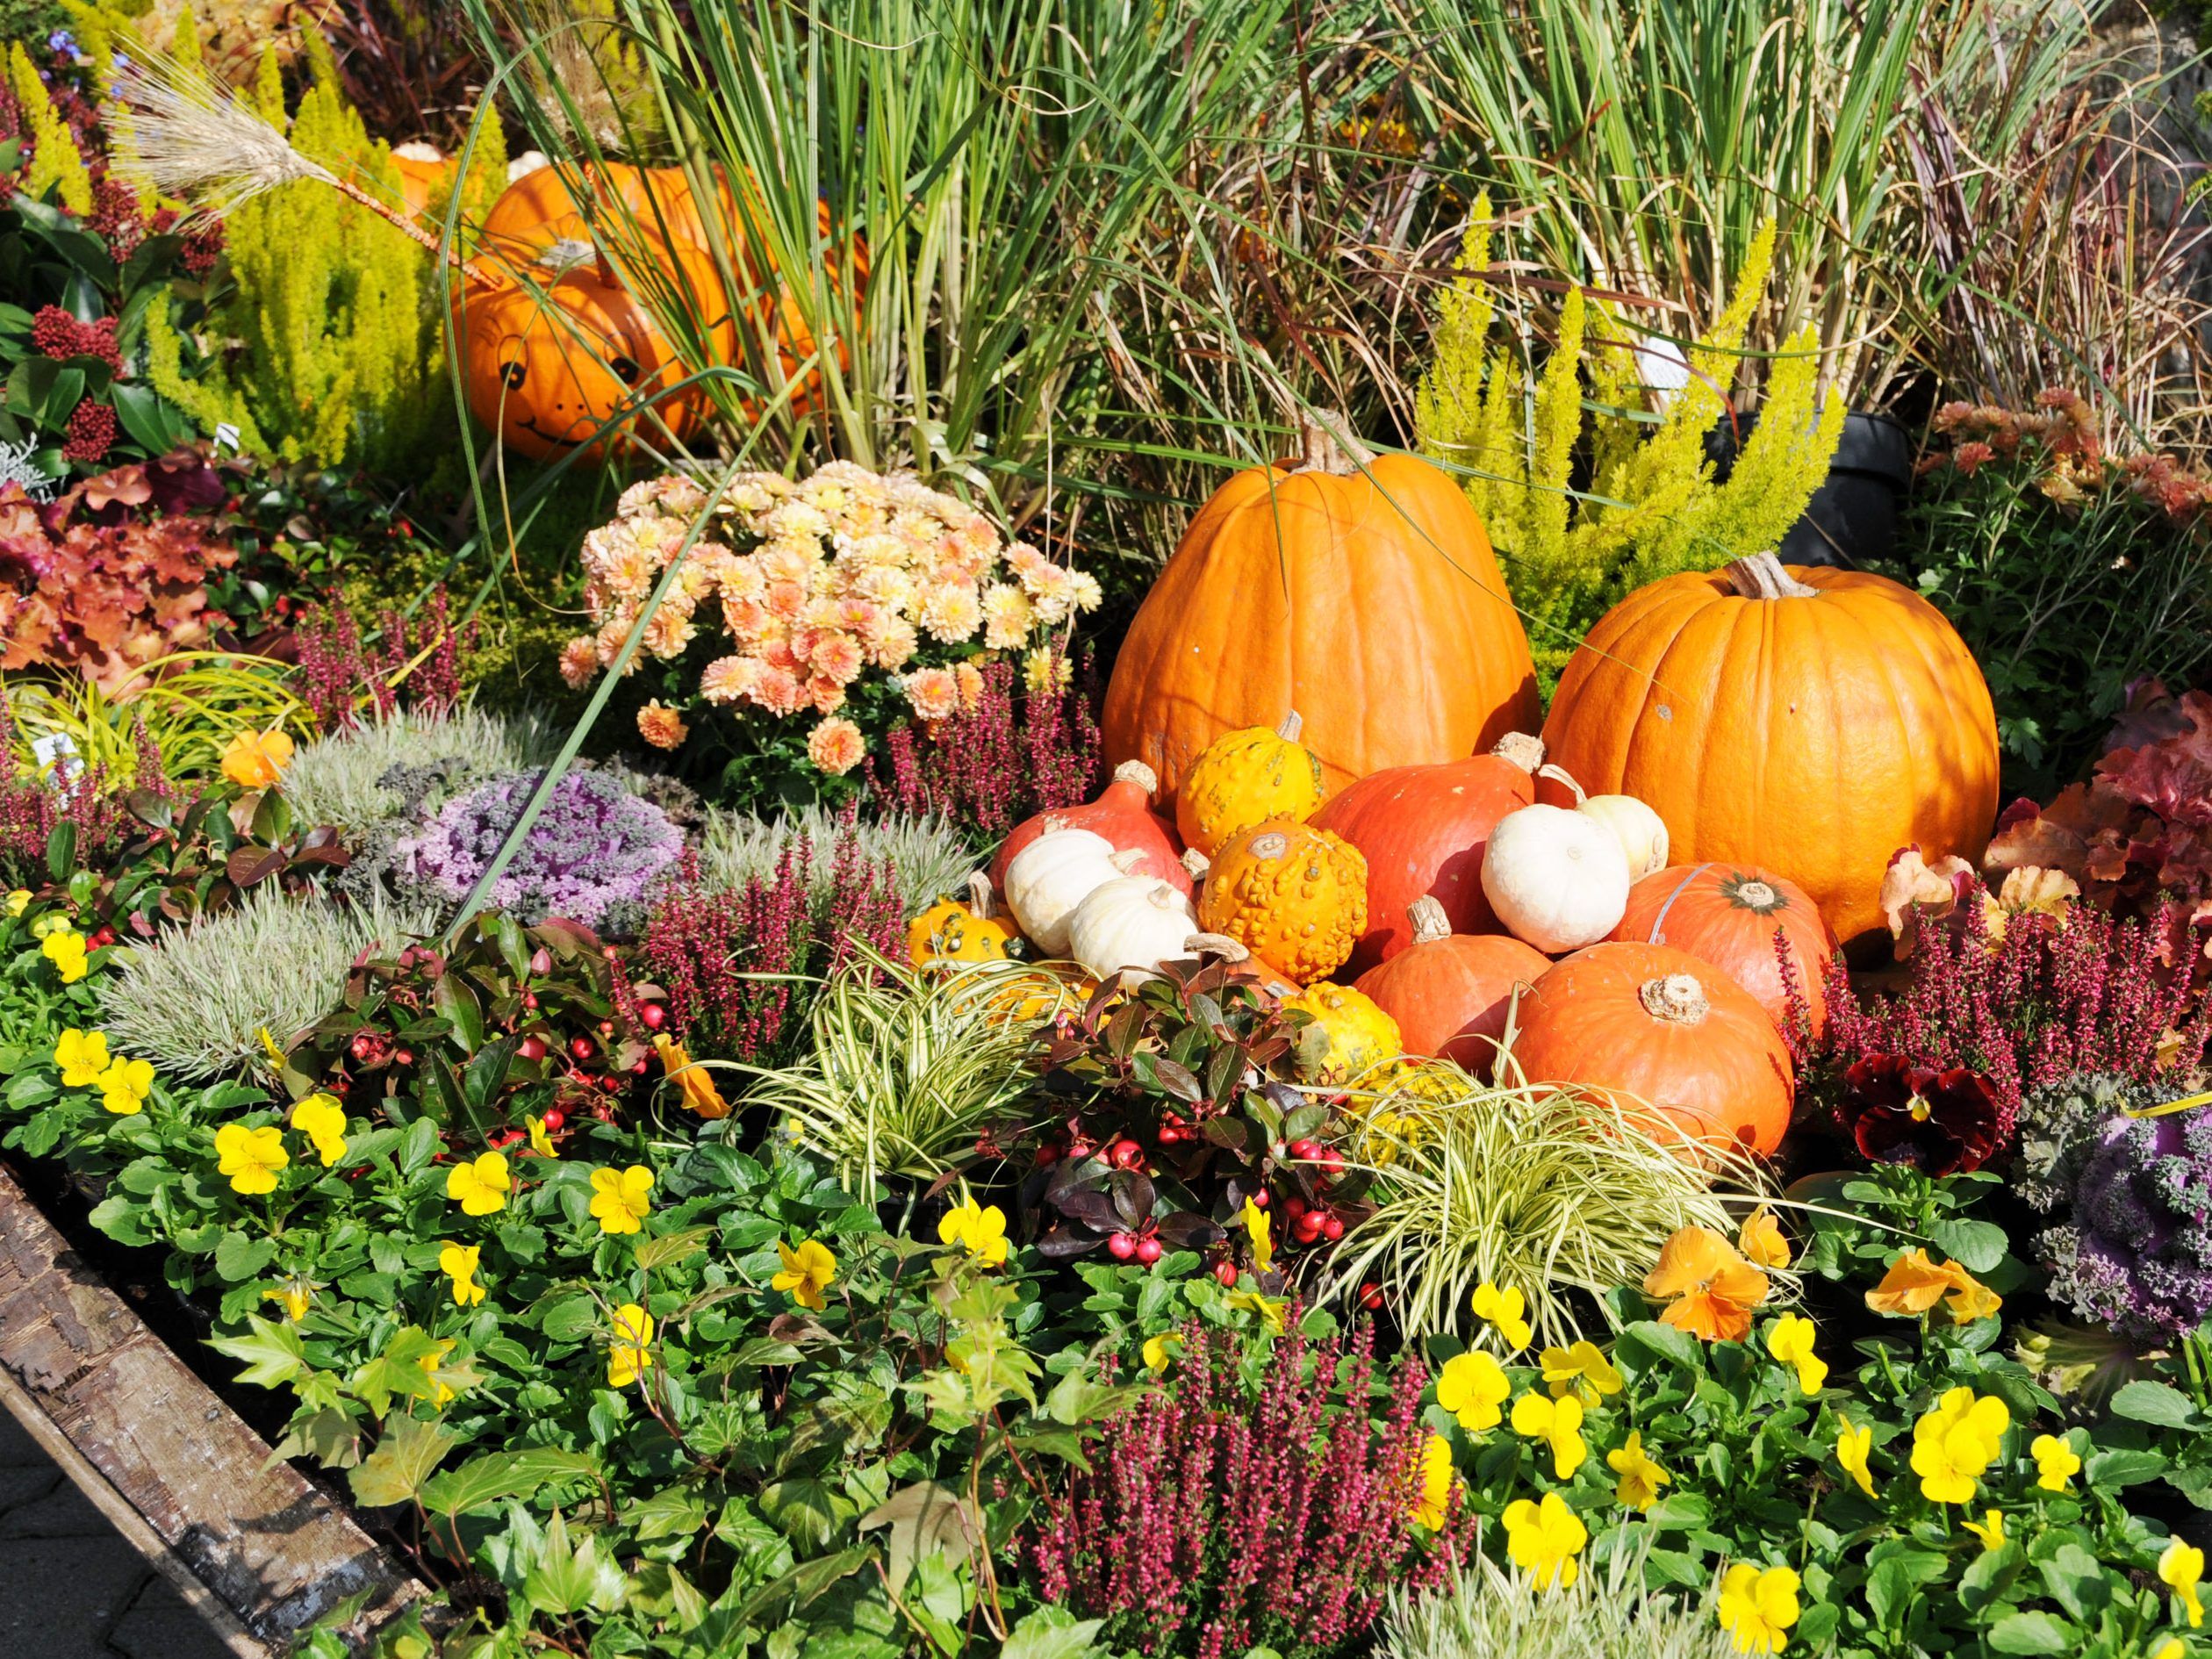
[56,163]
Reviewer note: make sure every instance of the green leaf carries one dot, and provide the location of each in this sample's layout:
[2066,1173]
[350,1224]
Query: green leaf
[803,1582]
[2121,1467]
[1976,1246]
[673,1247]
[454,1001]
[395,1471]
[1051,1632]
[2144,1401]
[273,1352]
[2031,1632]
[1987,1574]
[122,1218]
[1646,1344]
[1892,1580]
[924,1519]
[501,1475]
[2076,1580]
[240,1257]
[676,1513]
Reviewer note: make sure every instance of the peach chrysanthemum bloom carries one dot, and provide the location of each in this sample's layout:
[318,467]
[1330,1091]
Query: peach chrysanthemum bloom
[934,694]
[836,655]
[777,690]
[579,661]
[727,678]
[969,679]
[1008,616]
[670,631]
[835,746]
[827,696]
[951,614]
[662,726]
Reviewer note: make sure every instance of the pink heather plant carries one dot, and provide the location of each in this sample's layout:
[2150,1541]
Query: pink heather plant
[340,674]
[1007,756]
[1217,1515]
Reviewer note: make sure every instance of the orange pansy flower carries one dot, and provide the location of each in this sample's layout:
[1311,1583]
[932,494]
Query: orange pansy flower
[1761,1241]
[1713,1289]
[695,1081]
[1913,1284]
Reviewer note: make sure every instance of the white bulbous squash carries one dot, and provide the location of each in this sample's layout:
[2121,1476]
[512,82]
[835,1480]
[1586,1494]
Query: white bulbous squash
[1132,921]
[1050,877]
[1639,829]
[1555,877]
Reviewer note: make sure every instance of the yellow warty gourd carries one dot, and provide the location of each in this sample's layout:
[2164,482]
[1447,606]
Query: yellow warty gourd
[1243,777]
[1349,1035]
[1293,895]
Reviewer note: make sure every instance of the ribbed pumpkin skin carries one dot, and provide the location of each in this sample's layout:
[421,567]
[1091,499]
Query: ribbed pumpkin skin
[1422,829]
[1377,611]
[1728,915]
[1813,736]
[1725,1079]
[1450,996]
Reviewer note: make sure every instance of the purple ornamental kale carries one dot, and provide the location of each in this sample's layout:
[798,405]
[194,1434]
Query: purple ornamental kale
[594,847]
[2138,1255]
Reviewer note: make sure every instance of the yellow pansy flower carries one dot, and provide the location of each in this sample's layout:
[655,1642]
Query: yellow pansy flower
[1760,1241]
[125,1086]
[2173,1648]
[82,1056]
[1158,1349]
[323,1121]
[18,901]
[1758,1605]
[1261,1233]
[1990,1529]
[1851,1447]
[630,1356]
[2056,1463]
[458,1262]
[1504,1311]
[250,1157]
[1558,1423]
[807,1273]
[1790,1339]
[65,949]
[1544,1539]
[1582,1370]
[2181,1569]
[1640,1478]
[980,1231]
[540,1142]
[621,1198]
[439,1392]
[257,759]
[1433,1504]
[479,1185]
[296,1294]
[1473,1388]
[1955,1441]
[1270,1309]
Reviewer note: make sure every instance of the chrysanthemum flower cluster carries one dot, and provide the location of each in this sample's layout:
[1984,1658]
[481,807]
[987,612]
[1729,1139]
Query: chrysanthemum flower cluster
[847,571]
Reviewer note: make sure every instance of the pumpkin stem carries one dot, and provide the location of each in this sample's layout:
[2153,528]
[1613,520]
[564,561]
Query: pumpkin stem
[1195,864]
[1127,860]
[1293,723]
[1327,445]
[1757,896]
[1677,999]
[1522,748]
[1136,772]
[1218,944]
[981,904]
[1764,576]
[1565,777]
[1430,923]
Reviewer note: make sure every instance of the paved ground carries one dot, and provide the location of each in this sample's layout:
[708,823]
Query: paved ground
[73,1588]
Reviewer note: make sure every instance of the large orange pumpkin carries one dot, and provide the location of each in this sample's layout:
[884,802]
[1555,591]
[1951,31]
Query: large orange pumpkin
[543,370]
[1450,993]
[1807,720]
[1728,915]
[1423,830]
[1365,596]
[1654,1027]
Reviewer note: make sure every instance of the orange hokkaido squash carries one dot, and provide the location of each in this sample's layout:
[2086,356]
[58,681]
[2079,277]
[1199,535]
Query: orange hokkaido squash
[1360,592]
[1123,813]
[1450,993]
[1807,720]
[1423,830]
[1728,915]
[1653,1027]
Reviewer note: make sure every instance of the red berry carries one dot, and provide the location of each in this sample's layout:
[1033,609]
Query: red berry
[541,960]
[1226,1273]
[638,1070]
[582,1047]
[607,1028]
[1294,1206]
[1169,1134]
[1148,1251]
[531,1048]
[1333,1229]
[1121,1246]
[361,1046]
[102,936]
[1307,1227]
[610,1083]
[404,1056]
[554,1118]
[1126,1154]
[1371,1296]
[1047,1155]
[654,1016]
[529,999]
[1259,1199]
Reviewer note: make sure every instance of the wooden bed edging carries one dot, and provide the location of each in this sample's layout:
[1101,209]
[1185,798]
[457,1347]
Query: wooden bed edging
[256,1550]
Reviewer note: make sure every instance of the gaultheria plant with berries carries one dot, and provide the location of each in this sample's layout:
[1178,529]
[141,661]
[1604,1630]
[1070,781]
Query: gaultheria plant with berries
[1173,1105]
[515,1023]
[1222,1514]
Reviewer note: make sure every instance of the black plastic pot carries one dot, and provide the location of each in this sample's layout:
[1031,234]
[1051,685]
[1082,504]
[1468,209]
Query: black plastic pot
[1852,518]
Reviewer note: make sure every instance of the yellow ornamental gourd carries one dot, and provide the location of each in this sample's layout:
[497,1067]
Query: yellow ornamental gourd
[1290,893]
[1244,777]
[954,931]
[1348,1038]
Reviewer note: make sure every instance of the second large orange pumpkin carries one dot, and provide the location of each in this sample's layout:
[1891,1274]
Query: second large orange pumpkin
[1364,595]
[1809,721]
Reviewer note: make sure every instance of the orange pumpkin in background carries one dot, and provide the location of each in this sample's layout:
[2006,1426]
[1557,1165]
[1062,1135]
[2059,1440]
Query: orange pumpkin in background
[424,172]
[1450,993]
[544,370]
[1728,915]
[1804,720]
[1655,1027]
[1363,594]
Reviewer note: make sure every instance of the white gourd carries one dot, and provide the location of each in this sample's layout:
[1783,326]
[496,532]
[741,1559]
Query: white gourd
[1556,878]
[1134,922]
[1050,877]
[1641,832]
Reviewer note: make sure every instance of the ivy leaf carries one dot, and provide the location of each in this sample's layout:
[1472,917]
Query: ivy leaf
[924,1519]
[1051,1632]
[395,1471]
[272,1352]
[671,1248]
[498,1474]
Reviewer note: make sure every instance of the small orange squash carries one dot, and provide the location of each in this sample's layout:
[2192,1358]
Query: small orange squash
[1292,894]
[1728,915]
[1359,590]
[1123,813]
[1654,1027]
[1450,993]
[1810,721]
